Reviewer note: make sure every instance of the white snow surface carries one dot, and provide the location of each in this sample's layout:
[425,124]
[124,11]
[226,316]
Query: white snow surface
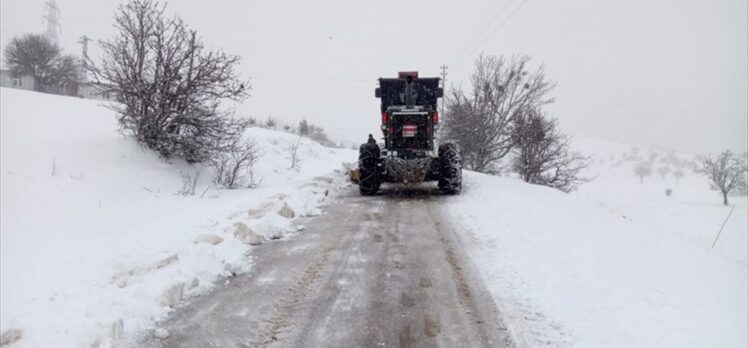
[94,241]
[616,264]
[92,234]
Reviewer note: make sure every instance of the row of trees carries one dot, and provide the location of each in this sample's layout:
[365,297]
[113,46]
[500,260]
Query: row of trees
[502,116]
[727,173]
[645,169]
[304,128]
[34,55]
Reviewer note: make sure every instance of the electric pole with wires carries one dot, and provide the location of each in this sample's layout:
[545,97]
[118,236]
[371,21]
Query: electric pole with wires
[84,40]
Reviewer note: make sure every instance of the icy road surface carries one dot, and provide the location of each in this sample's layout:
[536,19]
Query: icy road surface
[384,271]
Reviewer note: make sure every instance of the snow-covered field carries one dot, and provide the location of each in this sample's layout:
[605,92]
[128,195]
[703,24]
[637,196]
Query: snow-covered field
[617,263]
[96,245]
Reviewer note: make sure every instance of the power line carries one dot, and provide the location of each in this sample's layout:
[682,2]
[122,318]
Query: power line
[482,27]
[492,33]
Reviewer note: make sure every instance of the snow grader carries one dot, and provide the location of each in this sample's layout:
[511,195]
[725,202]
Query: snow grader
[409,152]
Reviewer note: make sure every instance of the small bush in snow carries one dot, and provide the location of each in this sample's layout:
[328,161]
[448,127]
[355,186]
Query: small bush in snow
[669,192]
[189,183]
[643,170]
[663,172]
[678,174]
[304,127]
[319,135]
[270,123]
[235,168]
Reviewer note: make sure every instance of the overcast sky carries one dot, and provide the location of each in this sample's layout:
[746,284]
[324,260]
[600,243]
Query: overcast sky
[667,74]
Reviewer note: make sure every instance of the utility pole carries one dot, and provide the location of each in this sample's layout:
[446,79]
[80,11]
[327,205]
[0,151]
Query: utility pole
[444,84]
[84,40]
[52,20]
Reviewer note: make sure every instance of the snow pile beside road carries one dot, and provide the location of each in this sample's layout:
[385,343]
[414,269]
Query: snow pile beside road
[95,245]
[569,271]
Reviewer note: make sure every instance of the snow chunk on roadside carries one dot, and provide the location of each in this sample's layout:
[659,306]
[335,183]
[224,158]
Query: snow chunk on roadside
[273,226]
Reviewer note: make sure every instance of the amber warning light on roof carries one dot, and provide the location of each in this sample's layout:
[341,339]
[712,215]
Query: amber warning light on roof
[406,74]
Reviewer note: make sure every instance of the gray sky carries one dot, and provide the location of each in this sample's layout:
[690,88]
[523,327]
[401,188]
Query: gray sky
[667,74]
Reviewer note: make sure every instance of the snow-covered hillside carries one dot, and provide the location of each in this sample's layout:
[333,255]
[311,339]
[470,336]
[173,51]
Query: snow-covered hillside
[673,199]
[616,264]
[95,243]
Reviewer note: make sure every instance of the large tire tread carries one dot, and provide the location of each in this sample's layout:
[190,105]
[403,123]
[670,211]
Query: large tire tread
[369,176]
[450,180]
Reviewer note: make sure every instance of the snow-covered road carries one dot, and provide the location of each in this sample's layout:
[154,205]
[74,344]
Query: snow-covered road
[371,271]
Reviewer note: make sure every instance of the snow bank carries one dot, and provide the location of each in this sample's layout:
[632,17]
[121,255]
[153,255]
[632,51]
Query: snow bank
[580,270]
[95,245]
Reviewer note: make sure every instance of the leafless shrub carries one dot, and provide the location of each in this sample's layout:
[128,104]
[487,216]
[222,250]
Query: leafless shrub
[542,154]
[235,168]
[663,172]
[304,127]
[271,123]
[678,174]
[168,86]
[480,122]
[726,173]
[189,183]
[643,170]
[55,167]
[293,153]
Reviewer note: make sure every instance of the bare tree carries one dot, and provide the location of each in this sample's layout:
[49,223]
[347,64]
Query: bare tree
[168,85]
[678,174]
[36,56]
[480,122]
[270,123]
[542,154]
[304,127]
[235,168]
[319,135]
[293,153]
[726,173]
[663,171]
[643,170]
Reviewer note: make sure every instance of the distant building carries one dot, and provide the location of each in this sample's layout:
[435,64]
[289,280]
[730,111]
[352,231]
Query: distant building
[90,90]
[20,82]
[87,90]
